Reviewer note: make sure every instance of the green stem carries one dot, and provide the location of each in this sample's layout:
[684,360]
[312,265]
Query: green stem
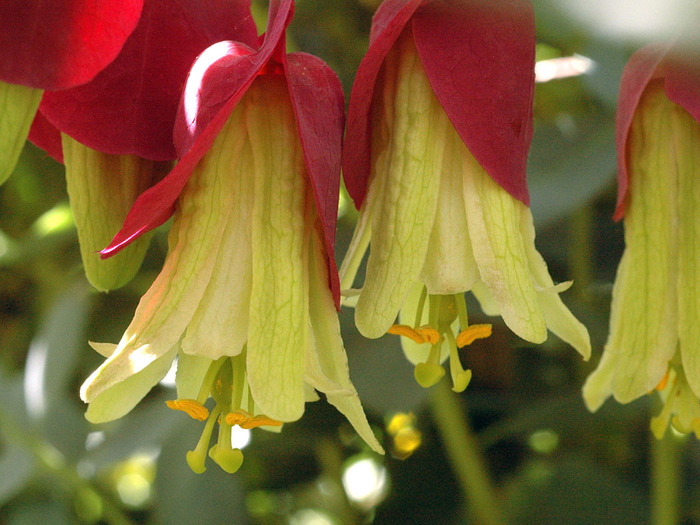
[466,456]
[665,479]
[580,258]
[52,462]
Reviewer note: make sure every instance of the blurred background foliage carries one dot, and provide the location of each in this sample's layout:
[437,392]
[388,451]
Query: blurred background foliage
[545,458]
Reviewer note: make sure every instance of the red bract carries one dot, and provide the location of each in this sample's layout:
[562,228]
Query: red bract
[217,81]
[130,107]
[679,69]
[51,44]
[479,58]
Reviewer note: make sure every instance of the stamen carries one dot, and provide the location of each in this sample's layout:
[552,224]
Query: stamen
[406,331]
[209,379]
[237,417]
[460,377]
[261,421]
[461,305]
[429,335]
[246,420]
[421,306]
[472,333]
[223,454]
[429,373]
[197,457]
[192,408]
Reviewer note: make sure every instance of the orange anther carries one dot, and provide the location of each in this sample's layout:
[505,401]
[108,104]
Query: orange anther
[472,333]
[192,408]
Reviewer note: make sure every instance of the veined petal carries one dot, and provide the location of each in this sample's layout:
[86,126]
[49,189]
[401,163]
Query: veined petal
[493,217]
[388,23]
[104,349]
[600,384]
[686,147]
[411,163]
[18,105]
[449,266]
[356,251]
[125,392]
[101,189]
[278,335]
[328,345]
[220,325]
[558,317]
[168,306]
[644,312]
[488,304]
[639,70]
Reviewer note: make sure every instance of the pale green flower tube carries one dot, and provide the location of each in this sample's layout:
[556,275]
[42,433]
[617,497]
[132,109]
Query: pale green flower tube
[18,105]
[101,189]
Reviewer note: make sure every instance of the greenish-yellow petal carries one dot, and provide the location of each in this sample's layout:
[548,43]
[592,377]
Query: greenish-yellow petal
[356,252]
[644,313]
[168,306]
[102,188]
[685,143]
[486,301]
[599,385]
[278,334]
[220,324]
[449,266]
[190,373]
[558,317]
[104,349]
[328,346]
[18,105]
[135,381]
[405,179]
[493,217]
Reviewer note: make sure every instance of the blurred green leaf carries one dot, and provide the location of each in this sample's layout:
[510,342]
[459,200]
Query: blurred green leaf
[575,491]
[33,512]
[52,359]
[16,469]
[566,174]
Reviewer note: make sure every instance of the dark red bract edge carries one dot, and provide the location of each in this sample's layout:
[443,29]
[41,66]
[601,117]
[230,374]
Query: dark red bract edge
[156,205]
[319,108]
[387,24]
[639,70]
[45,135]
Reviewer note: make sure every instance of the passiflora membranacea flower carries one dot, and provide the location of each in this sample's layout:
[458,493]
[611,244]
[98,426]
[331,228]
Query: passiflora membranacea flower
[247,297]
[439,127]
[654,330]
